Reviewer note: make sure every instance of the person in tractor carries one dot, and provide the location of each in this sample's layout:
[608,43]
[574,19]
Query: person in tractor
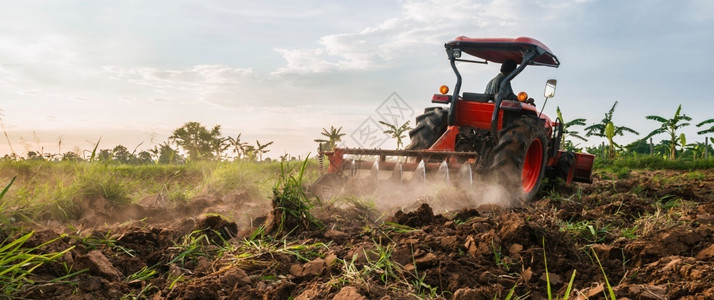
[492,88]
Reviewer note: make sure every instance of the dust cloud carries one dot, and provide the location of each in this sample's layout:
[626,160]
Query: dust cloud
[482,193]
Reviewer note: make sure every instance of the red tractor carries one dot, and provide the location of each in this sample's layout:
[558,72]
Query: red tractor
[473,133]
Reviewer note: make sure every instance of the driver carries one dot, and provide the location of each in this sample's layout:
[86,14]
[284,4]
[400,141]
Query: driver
[492,88]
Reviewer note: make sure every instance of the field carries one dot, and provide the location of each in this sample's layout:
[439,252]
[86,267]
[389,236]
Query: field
[245,231]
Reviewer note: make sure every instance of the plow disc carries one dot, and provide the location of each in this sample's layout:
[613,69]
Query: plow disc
[363,171]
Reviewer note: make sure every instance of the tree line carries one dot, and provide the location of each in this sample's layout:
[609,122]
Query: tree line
[190,142]
[675,146]
[195,142]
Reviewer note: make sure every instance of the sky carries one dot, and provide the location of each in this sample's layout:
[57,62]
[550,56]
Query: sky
[131,72]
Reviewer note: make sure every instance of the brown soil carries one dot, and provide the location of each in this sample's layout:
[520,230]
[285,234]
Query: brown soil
[653,234]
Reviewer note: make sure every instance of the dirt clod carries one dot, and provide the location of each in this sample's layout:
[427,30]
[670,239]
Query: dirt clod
[423,216]
[349,293]
[98,264]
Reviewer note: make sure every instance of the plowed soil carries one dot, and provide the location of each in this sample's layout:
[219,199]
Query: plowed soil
[648,236]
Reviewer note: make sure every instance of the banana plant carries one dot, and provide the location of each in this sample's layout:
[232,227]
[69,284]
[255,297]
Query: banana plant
[397,132]
[609,134]
[568,131]
[670,126]
[600,129]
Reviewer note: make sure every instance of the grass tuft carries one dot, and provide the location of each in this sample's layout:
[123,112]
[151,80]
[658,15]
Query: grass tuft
[291,205]
[17,262]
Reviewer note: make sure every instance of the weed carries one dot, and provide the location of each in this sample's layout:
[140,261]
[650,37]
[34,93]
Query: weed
[585,230]
[696,175]
[304,252]
[383,265]
[622,173]
[607,282]
[141,294]
[511,292]
[191,247]
[570,286]
[145,273]
[18,262]
[668,202]
[398,228]
[629,232]
[254,247]
[3,204]
[422,289]
[290,202]
[350,273]
[655,221]
[547,276]
[497,257]
[97,242]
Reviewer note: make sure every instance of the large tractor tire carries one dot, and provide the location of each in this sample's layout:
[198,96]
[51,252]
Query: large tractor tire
[429,128]
[519,159]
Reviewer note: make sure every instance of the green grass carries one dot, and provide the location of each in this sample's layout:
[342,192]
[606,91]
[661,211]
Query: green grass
[611,292]
[47,190]
[587,231]
[547,277]
[650,162]
[17,263]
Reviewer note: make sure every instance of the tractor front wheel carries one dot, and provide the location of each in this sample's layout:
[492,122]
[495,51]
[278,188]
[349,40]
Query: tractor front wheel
[519,159]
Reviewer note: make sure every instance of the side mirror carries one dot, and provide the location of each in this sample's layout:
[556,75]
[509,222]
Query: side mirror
[550,88]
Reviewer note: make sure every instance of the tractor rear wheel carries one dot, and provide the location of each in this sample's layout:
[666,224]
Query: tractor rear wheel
[429,128]
[519,159]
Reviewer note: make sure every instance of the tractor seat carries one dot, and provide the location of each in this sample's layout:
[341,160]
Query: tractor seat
[477,97]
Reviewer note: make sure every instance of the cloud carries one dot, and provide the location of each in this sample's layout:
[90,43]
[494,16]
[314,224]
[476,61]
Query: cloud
[206,83]
[417,27]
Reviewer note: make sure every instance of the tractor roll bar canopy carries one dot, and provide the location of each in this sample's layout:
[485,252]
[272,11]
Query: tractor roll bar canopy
[499,50]
[523,50]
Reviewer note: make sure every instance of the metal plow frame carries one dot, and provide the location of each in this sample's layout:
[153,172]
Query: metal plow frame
[425,165]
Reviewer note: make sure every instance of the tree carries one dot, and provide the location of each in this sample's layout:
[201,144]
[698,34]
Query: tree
[165,154]
[397,132]
[568,132]
[260,149]
[699,149]
[640,146]
[334,136]
[32,155]
[601,130]
[249,153]
[671,126]
[122,155]
[199,142]
[238,146]
[218,145]
[705,122]
[144,157]
[71,156]
[705,131]
[104,155]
